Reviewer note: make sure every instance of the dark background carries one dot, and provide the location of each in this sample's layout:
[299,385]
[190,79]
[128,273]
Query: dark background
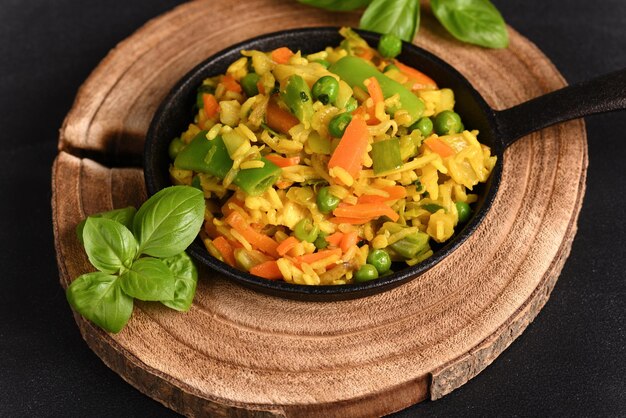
[571,360]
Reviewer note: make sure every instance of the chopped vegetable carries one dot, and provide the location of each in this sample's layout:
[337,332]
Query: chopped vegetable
[420,80]
[284,247]
[440,147]
[389,46]
[464,211]
[338,124]
[281,55]
[297,97]
[326,89]
[351,150]
[279,119]
[281,161]
[306,231]
[366,273]
[355,71]
[447,122]
[267,270]
[225,249]
[367,211]
[326,201]
[211,107]
[386,155]
[255,238]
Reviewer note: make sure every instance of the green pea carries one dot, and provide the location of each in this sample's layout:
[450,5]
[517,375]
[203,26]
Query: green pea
[337,125]
[424,125]
[320,241]
[351,105]
[366,273]
[447,122]
[464,211]
[325,89]
[306,231]
[325,63]
[326,202]
[249,84]
[380,259]
[389,46]
[175,147]
[391,67]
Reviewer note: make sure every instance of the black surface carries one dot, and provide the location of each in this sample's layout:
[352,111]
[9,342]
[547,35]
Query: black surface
[570,361]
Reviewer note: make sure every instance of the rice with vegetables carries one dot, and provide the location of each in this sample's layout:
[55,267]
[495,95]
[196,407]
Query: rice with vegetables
[325,168]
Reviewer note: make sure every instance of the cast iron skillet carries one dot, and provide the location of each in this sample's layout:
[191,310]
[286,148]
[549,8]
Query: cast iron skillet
[498,130]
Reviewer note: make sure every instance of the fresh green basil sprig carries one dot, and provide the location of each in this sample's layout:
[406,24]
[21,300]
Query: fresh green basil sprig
[473,21]
[148,263]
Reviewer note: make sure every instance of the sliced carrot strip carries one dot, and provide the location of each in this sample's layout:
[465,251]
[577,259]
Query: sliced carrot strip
[334,239]
[226,208]
[284,247]
[374,90]
[231,84]
[420,80]
[395,193]
[224,247]
[278,118]
[349,239]
[281,55]
[366,210]
[351,150]
[211,230]
[283,184]
[211,107]
[352,221]
[317,256]
[260,87]
[440,147]
[267,270]
[281,161]
[255,238]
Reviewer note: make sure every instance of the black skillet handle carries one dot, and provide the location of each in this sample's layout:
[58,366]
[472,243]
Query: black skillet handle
[603,94]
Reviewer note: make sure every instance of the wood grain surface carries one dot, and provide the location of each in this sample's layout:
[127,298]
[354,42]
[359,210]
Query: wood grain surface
[241,353]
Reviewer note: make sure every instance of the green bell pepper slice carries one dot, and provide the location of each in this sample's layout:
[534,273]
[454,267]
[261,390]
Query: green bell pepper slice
[355,71]
[212,157]
[297,97]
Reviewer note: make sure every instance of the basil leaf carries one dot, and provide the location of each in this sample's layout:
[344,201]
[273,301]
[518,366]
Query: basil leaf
[124,216]
[149,279]
[110,246]
[397,17]
[337,5]
[186,276]
[99,298]
[169,221]
[474,21]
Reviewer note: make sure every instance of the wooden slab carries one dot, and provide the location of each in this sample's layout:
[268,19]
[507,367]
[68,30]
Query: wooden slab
[241,353]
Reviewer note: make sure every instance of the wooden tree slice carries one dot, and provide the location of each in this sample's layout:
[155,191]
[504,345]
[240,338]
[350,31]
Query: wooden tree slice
[238,352]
